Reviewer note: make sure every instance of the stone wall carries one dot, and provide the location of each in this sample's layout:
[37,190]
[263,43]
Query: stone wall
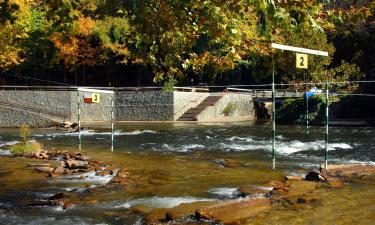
[144,106]
[15,118]
[47,106]
[241,104]
[56,103]
[91,112]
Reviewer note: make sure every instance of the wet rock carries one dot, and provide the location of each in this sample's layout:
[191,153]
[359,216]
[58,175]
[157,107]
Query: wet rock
[254,190]
[293,178]
[156,216]
[43,156]
[350,170]
[186,209]
[57,196]
[76,164]
[38,148]
[315,176]
[230,212]
[44,169]
[121,178]
[59,170]
[141,209]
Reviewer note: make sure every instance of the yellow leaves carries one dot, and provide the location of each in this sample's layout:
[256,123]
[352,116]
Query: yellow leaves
[85,25]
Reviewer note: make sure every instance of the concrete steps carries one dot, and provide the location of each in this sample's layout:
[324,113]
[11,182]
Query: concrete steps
[192,113]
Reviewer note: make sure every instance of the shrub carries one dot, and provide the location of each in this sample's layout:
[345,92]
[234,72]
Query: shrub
[25,148]
[293,111]
[229,109]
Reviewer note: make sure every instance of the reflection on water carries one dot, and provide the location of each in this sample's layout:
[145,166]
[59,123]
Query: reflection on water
[182,163]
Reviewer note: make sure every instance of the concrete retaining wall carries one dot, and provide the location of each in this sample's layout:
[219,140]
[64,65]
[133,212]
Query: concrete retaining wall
[183,101]
[129,106]
[242,108]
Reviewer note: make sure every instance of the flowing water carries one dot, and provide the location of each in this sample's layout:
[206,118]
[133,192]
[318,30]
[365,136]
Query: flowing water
[180,163]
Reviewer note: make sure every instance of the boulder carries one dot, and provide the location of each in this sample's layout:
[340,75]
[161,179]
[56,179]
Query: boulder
[230,212]
[76,164]
[38,148]
[315,176]
[59,170]
[351,169]
[186,209]
[254,190]
[293,178]
[44,169]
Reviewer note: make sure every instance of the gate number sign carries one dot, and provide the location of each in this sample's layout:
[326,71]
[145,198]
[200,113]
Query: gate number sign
[302,61]
[95,98]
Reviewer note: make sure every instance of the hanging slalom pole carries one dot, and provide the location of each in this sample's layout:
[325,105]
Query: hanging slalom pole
[273,117]
[302,63]
[307,113]
[327,127]
[112,121]
[79,122]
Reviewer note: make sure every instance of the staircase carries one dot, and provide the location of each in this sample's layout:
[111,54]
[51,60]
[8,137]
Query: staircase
[191,114]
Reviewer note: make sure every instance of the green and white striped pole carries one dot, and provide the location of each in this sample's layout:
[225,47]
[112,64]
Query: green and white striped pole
[79,122]
[112,121]
[273,117]
[307,113]
[327,127]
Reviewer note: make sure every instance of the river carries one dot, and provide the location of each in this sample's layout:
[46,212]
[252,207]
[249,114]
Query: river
[179,163]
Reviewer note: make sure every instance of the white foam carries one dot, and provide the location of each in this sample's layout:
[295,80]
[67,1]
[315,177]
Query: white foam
[9,143]
[182,148]
[235,138]
[162,202]
[90,177]
[282,147]
[225,192]
[94,133]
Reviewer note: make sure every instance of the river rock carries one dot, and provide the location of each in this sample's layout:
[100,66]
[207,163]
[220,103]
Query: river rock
[44,169]
[254,190]
[351,169]
[315,176]
[293,178]
[230,212]
[59,170]
[59,195]
[76,164]
[38,148]
[186,209]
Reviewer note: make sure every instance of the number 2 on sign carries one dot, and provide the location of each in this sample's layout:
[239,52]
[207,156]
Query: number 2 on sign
[302,61]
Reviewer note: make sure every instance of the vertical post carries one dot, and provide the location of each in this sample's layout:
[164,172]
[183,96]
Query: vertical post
[307,113]
[327,127]
[112,121]
[79,122]
[273,116]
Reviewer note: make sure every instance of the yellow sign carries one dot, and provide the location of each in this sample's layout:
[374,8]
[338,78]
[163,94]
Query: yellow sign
[95,98]
[302,61]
